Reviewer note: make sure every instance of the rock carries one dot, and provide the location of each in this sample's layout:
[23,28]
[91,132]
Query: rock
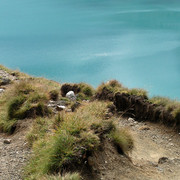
[131,119]
[62,103]
[60,108]
[4,81]
[70,95]
[145,128]
[68,110]
[1,91]
[7,141]
[162,160]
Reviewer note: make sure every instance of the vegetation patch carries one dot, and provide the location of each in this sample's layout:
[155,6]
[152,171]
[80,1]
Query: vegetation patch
[54,95]
[123,140]
[106,91]
[171,107]
[82,90]
[24,99]
[69,140]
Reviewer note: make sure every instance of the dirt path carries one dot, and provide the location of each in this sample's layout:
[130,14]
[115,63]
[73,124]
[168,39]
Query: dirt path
[153,142]
[13,156]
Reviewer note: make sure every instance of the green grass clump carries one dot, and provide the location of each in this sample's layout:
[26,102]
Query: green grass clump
[113,86]
[38,130]
[72,136]
[171,106]
[123,140]
[86,89]
[162,101]
[54,95]
[61,152]
[14,105]
[22,100]
[139,92]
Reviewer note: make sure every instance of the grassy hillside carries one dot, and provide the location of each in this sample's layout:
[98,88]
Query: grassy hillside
[63,140]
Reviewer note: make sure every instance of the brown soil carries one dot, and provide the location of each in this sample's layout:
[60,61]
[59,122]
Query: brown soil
[152,142]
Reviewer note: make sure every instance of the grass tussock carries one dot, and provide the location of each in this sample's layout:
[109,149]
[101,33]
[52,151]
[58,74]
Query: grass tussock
[26,98]
[123,140]
[171,106]
[71,137]
[54,95]
[83,91]
[107,90]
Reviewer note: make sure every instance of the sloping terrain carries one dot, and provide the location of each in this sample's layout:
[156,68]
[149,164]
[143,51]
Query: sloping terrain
[155,156]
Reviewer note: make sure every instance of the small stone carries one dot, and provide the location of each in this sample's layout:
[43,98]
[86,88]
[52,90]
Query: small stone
[130,119]
[1,90]
[7,141]
[144,128]
[162,160]
[68,110]
[60,108]
[160,169]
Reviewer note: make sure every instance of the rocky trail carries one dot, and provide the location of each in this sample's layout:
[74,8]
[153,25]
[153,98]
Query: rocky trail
[156,149]
[14,153]
[156,155]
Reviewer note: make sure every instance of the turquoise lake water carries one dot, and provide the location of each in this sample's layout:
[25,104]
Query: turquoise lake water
[134,41]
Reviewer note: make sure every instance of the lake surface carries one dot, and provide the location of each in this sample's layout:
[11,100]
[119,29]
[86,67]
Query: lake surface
[134,41]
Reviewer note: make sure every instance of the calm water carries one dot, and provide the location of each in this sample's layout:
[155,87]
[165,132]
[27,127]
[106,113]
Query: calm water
[134,41]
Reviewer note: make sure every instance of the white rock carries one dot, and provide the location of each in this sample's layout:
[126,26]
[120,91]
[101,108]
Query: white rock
[131,119]
[60,108]
[1,90]
[71,95]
